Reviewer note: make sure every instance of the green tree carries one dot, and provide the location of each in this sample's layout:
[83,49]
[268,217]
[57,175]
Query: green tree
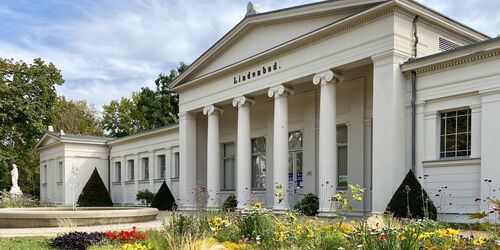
[121,118]
[77,117]
[148,109]
[27,102]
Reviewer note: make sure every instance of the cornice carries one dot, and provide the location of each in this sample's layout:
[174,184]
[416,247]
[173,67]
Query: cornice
[452,63]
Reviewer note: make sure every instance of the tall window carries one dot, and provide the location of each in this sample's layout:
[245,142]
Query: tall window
[342,155]
[131,170]
[145,168]
[455,134]
[60,171]
[175,169]
[162,165]
[229,166]
[259,163]
[118,171]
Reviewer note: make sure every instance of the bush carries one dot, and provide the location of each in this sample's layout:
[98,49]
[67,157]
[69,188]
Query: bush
[411,201]
[257,224]
[77,240]
[309,205]
[95,194]
[145,197]
[25,200]
[230,204]
[164,200]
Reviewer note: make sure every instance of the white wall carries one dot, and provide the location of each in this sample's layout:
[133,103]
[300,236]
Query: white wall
[151,144]
[469,86]
[85,156]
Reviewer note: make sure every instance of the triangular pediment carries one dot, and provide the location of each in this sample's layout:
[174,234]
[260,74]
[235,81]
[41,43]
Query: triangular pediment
[47,139]
[259,33]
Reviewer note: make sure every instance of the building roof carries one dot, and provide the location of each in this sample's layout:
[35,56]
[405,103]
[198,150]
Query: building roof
[472,52]
[51,138]
[310,9]
[144,134]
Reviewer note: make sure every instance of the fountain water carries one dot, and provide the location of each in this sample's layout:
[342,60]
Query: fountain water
[75,184]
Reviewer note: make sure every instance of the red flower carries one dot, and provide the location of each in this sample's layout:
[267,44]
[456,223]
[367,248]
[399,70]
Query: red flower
[383,237]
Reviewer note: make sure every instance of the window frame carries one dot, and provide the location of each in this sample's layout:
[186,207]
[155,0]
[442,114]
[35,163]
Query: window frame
[118,173]
[346,146]
[60,169]
[232,159]
[175,169]
[444,133]
[162,165]
[255,155]
[145,168]
[131,170]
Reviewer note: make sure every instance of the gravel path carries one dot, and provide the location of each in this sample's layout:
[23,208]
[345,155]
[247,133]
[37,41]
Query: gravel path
[52,231]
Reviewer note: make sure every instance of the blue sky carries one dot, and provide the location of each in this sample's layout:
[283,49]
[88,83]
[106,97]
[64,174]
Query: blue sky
[108,48]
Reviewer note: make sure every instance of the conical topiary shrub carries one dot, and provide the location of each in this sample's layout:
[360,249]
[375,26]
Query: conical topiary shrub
[164,200]
[95,194]
[411,201]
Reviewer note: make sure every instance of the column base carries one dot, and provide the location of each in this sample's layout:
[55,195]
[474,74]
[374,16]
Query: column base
[212,208]
[327,213]
[188,208]
[280,211]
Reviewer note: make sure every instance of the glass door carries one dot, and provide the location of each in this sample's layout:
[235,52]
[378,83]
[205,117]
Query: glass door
[295,175]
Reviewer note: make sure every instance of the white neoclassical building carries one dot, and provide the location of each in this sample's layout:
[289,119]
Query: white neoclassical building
[315,97]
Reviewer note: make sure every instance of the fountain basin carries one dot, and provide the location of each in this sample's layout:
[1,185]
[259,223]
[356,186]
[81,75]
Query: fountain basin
[58,216]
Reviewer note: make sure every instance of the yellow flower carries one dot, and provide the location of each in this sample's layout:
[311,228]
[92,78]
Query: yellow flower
[449,232]
[258,205]
[425,235]
[346,228]
[299,229]
[478,242]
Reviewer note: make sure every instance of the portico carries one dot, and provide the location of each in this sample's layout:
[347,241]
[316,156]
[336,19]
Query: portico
[294,125]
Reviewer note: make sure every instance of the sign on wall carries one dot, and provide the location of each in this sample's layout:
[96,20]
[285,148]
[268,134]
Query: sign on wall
[266,69]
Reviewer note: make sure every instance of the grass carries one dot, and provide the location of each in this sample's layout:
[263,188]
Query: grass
[22,243]
[37,243]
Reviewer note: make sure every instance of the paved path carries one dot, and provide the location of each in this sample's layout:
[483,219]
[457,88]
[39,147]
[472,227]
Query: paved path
[52,231]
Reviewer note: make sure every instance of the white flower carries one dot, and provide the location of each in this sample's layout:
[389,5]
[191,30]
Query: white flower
[341,248]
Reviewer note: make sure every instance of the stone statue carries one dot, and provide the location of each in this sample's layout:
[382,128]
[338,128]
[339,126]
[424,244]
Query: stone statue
[15,190]
[252,9]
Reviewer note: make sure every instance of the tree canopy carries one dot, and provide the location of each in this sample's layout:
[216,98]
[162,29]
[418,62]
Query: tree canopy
[147,109]
[77,117]
[27,103]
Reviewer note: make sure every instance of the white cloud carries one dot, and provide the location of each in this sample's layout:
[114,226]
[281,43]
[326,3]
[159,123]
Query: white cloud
[107,49]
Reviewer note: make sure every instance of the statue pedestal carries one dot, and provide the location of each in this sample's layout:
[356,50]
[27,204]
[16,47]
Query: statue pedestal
[15,191]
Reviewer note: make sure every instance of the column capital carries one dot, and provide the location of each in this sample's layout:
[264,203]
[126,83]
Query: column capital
[279,90]
[211,109]
[241,101]
[326,77]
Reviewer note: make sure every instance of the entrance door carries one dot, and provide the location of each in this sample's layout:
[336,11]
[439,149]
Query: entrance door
[295,175]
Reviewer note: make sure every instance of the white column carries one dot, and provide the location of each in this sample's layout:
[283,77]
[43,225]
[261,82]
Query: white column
[243,152]
[187,154]
[390,163]
[153,164]
[490,136]
[123,169]
[168,167]
[280,140]
[475,131]
[327,171]
[137,175]
[213,156]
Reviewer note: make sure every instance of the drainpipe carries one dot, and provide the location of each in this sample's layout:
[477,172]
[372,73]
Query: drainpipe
[109,170]
[413,99]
